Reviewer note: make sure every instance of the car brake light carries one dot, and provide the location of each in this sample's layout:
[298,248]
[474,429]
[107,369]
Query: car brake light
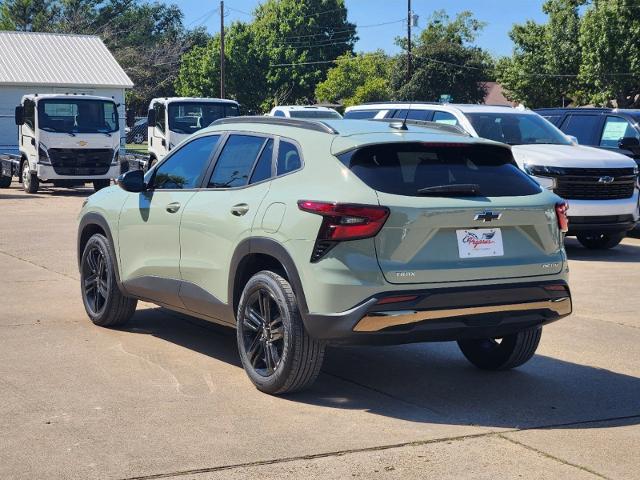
[343,222]
[561,214]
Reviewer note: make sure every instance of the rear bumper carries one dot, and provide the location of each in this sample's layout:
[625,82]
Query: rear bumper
[446,314]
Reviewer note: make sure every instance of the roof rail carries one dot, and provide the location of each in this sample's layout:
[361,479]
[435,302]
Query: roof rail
[315,125]
[423,123]
[403,102]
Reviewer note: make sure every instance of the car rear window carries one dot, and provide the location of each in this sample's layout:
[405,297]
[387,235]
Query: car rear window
[406,168]
[360,114]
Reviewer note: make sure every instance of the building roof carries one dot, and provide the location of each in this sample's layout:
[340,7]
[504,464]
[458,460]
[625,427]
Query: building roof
[52,59]
[495,95]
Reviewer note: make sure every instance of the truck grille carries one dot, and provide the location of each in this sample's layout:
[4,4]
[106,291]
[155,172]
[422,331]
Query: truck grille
[596,183]
[81,162]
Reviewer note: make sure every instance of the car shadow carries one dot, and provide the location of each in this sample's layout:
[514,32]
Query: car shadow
[432,383]
[625,252]
[45,192]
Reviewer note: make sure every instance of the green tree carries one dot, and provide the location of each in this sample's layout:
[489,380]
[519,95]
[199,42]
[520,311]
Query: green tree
[357,79]
[445,61]
[28,15]
[546,59]
[199,73]
[300,39]
[610,41]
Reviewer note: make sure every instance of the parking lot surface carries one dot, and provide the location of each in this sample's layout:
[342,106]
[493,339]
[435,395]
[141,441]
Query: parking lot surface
[166,396]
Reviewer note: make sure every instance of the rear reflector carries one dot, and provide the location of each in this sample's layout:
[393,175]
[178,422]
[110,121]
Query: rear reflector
[561,214]
[398,299]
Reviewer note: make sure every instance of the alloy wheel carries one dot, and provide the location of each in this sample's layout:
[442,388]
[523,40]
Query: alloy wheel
[263,332]
[95,280]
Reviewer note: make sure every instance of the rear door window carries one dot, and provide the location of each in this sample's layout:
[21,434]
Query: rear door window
[236,160]
[360,114]
[406,168]
[583,127]
[615,129]
[444,117]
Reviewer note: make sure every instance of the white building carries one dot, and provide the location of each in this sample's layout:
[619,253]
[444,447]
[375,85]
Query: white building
[54,63]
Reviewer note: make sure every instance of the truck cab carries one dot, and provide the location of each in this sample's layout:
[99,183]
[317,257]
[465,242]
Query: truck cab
[172,119]
[66,140]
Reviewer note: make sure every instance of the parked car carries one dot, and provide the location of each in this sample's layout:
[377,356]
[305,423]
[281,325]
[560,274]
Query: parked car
[303,233]
[297,111]
[611,129]
[138,134]
[602,186]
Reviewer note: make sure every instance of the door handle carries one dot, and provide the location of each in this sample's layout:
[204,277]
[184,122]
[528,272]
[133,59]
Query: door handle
[173,207]
[240,209]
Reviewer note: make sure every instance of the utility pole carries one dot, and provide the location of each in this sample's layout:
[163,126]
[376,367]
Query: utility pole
[409,20]
[222,93]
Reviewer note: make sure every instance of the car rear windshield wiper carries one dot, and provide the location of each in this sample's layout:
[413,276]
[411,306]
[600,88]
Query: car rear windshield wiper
[462,189]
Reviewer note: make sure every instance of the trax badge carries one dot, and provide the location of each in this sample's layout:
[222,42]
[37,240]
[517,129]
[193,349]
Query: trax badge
[487,216]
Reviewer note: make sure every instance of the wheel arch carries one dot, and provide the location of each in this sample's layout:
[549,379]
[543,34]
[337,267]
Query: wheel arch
[260,253]
[90,224]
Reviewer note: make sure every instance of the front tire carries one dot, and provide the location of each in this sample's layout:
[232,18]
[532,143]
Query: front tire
[510,352]
[5,182]
[600,241]
[102,299]
[276,351]
[30,181]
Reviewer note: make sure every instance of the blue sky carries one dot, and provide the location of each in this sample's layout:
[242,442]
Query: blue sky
[499,15]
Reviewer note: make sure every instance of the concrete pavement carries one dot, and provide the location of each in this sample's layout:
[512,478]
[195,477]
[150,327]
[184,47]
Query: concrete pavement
[166,396]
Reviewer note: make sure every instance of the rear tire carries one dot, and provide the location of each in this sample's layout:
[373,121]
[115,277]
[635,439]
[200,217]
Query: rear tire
[511,352]
[276,351]
[30,181]
[600,241]
[102,299]
[100,184]
[5,182]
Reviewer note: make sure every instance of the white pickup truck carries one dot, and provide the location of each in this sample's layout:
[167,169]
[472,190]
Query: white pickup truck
[601,186]
[65,140]
[172,119]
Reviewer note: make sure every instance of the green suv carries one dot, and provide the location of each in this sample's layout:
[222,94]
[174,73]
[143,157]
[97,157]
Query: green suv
[303,233]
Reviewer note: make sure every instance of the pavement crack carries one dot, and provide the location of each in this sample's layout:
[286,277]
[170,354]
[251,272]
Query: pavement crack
[383,393]
[417,443]
[37,265]
[553,457]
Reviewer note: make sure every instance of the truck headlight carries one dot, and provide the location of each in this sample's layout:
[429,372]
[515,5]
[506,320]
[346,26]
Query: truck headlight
[116,158]
[43,155]
[545,176]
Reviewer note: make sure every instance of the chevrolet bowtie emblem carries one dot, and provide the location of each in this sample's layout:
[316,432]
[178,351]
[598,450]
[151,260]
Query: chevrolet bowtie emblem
[606,180]
[82,143]
[487,216]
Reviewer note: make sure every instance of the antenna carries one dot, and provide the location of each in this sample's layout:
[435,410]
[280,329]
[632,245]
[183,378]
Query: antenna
[404,121]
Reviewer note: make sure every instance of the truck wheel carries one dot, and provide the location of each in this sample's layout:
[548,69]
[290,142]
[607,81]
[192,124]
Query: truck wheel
[600,241]
[5,182]
[102,299]
[30,181]
[100,184]
[276,351]
[509,352]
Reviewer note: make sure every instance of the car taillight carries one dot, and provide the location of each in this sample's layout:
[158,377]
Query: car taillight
[561,214]
[342,222]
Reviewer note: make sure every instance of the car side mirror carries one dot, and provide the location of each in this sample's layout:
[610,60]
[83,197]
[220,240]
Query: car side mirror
[19,115]
[151,118]
[629,143]
[132,181]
